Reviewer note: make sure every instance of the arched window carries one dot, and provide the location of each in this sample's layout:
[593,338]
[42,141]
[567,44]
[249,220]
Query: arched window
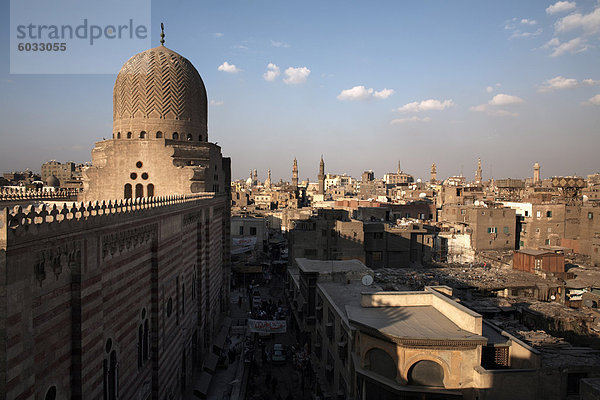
[51,393]
[189,137]
[199,138]
[150,190]
[158,134]
[118,135]
[128,135]
[380,362]
[127,191]
[110,373]
[146,340]
[426,373]
[139,190]
[142,134]
[175,136]
[140,345]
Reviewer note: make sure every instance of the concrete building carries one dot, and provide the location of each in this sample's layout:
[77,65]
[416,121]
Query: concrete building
[369,344]
[62,172]
[489,228]
[121,296]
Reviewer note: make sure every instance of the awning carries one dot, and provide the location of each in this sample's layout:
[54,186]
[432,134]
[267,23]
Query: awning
[219,343]
[248,269]
[210,364]
[201,390]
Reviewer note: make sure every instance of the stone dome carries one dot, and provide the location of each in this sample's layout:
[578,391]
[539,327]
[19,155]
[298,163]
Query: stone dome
[158,93]
[52,181]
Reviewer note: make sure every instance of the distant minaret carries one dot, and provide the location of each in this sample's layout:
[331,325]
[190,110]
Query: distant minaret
[268,181]
[536,173]
[478,174]
[399,169]
[321,176]
[250,181]
[433,177]
[295,173]
[255,179]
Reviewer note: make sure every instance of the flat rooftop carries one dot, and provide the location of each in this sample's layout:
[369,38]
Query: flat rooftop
[414,322]
[343,294]
[329,266]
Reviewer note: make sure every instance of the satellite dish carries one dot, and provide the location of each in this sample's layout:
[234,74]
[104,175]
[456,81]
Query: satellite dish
[367,280]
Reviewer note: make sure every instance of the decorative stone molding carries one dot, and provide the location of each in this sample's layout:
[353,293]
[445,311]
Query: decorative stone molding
[123,241]
[56,258]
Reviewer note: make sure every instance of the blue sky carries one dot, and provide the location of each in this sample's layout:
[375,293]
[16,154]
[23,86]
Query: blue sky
[363,83]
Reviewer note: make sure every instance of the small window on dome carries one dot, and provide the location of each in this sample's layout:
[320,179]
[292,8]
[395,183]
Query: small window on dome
[189,137]
[159,135]
[142,134]
[118,135]
[175,136]
[128,135]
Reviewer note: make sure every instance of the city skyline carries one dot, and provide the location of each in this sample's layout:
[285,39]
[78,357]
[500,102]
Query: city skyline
[364,85]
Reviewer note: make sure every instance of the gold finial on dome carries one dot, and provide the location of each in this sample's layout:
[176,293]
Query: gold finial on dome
[162,34]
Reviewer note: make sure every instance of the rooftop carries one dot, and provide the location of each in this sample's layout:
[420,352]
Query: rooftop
[414,322]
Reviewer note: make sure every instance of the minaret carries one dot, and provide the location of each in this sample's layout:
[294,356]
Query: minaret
[255,179]
[268,181]
[321,176]
[295,173]
[536,173]
[478,174]
[433,177]
[399,169]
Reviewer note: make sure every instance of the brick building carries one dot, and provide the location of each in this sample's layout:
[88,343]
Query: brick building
[108,298]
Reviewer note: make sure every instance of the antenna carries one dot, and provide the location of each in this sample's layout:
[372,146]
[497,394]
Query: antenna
[162,34]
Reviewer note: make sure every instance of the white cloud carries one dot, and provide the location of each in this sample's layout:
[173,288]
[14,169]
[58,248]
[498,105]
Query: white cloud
[489,89]
[272,72]
[498,100]
[216,103]
[295,76]
[526,21]
[504,100]
[356,93]
[595,100]
[279,44]
[383,94]
[551,43]
[226,67]
[560,6]
[573,46]
[426,105]
[363,93]
[218,34]
[240,47]
[519,34]
[560,82]
[589,23]
[399,121]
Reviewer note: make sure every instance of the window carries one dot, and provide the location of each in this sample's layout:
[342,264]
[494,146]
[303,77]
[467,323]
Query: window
[549,214]
[505,230]
[145,175]
[199,138]
[241,230]
[128,135]
[527,213]
[150,189]
[378,235]
[159,135]
[170,307]
[139,164]
[253,230]
[492,229]
[573,381]
[590,215]
[51,393]
[110,372]
[547,241]
[189,137]
[377,256]
[142,134]
[118,135]
[139,190]
[538,214]
[463,211]
[175,136]
[127,191]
